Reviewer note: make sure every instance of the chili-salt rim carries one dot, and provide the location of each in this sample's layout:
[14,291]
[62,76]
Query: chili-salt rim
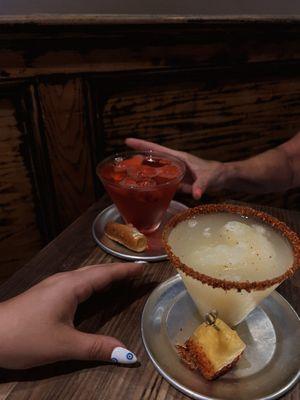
[280,226]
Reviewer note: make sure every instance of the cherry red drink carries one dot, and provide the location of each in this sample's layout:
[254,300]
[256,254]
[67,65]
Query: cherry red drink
[141,184]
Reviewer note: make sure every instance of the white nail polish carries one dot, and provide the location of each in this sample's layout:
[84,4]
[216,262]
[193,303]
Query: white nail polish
[123,356]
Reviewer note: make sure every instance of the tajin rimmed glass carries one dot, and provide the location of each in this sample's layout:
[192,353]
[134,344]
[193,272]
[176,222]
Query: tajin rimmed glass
[232,299]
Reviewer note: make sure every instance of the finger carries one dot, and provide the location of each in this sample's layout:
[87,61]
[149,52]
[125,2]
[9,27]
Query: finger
[93,278]
[144,145]
[186,188]
[86,346]
[198,188]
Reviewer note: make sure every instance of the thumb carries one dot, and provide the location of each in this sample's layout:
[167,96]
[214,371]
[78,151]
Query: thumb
[87,346]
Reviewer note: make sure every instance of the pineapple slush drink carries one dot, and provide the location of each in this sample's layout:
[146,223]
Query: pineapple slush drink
[229,247]
[141,185]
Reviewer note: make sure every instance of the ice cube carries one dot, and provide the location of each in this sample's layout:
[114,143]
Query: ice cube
[206,232]
[260,229]
[117,160]
[146,183]
[151,161]
[134,173]
[234,232]
[148,172]
[192,223]
[169,172]
[129,183]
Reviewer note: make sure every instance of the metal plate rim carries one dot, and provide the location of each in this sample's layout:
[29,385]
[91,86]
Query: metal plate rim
[127,256]
[182,388]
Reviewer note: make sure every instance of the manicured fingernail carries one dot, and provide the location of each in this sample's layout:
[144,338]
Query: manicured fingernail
[123,356]
[198,193]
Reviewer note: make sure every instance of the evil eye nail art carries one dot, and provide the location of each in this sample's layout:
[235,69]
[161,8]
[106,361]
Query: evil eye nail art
[123,356]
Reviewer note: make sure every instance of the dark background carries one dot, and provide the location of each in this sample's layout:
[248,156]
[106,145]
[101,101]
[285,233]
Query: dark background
[153,7]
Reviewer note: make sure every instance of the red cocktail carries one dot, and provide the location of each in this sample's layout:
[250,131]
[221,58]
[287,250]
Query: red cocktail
[141,184]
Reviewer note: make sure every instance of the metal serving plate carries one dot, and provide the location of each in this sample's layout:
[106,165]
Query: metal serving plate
[155,252]
[268,368]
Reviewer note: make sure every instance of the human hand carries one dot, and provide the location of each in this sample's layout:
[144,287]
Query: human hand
[36,327]
[200,174]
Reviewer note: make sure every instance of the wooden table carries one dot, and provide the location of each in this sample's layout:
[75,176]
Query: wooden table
[117,313]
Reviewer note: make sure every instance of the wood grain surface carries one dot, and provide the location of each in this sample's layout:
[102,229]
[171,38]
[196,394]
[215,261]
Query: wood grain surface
[63,117]
[94,48]
[117,312]
[19,234]
[70,19]
[156,11]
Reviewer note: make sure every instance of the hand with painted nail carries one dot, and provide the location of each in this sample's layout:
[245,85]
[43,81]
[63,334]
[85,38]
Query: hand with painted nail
[36,327]
[200,174]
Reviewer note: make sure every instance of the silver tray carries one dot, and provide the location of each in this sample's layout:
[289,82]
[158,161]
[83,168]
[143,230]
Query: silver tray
[268,368]
[155,253]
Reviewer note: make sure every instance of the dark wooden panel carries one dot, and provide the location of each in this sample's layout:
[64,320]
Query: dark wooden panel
[19,234]
[108,47]
[42,175]
[213,118]
[63,115]
[153,8]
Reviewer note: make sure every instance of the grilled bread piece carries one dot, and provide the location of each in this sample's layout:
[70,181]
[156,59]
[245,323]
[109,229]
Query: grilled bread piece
[127,235]
[213,349]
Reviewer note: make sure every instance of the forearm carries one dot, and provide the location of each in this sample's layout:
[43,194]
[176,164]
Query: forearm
[272,171]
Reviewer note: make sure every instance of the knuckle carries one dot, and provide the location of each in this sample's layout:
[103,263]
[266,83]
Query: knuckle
[96,349]
[183,155]
[60,278]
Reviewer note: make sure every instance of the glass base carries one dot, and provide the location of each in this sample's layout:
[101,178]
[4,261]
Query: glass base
[150,230]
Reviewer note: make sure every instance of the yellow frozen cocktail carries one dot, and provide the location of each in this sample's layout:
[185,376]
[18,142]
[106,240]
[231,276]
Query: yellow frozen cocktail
[230,257]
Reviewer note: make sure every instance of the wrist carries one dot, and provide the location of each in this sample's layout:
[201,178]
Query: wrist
[230,174]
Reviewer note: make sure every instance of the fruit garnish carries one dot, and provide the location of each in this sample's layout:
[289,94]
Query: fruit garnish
[146,183]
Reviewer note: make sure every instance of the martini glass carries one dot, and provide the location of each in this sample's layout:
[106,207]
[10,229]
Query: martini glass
[232,291]
[141,184]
